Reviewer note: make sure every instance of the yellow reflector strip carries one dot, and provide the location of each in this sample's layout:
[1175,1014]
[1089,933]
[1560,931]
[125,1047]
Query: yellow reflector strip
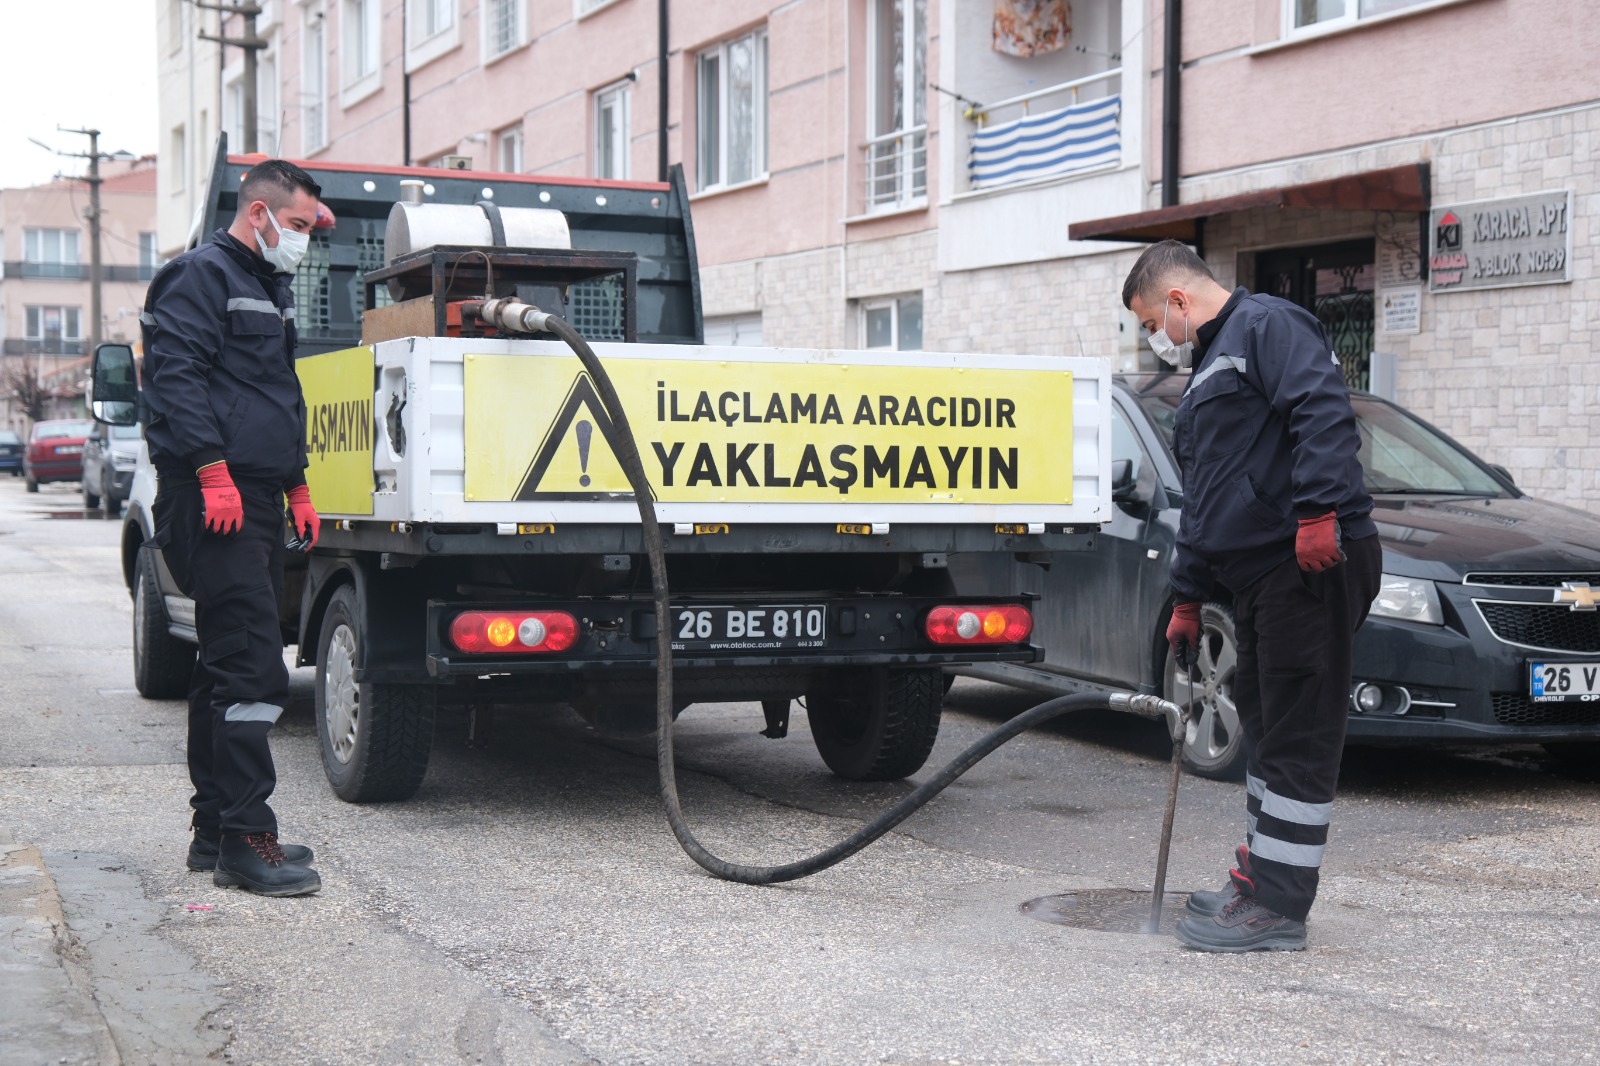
[710,527]
[854,527]
[535,527]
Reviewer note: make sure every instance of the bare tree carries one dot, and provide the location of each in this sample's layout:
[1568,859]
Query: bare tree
[24,384]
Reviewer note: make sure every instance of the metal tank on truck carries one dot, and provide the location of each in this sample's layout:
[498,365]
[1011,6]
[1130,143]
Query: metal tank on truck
[482,543]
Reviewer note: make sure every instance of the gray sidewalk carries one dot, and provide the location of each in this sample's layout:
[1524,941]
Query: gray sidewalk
[89,981]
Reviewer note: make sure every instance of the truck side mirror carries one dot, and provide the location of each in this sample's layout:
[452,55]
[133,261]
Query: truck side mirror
[114,386]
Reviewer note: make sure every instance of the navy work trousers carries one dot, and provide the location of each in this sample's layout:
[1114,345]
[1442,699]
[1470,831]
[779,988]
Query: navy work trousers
[240,682]
[1295,634]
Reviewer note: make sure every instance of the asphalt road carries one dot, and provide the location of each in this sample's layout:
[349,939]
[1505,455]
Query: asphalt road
[530,904]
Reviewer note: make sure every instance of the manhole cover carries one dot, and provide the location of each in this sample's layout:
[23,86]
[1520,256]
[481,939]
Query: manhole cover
[1108,910]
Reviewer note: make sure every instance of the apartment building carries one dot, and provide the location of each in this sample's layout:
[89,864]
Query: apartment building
[45,289]
[979,174]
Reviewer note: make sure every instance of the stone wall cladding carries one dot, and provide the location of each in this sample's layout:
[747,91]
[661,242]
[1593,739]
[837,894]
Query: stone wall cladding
[1510,373]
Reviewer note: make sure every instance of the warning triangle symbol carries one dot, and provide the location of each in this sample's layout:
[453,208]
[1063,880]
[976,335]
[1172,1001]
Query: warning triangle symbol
[572,430]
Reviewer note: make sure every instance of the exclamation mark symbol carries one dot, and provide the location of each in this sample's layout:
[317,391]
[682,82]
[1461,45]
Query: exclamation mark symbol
[585,431]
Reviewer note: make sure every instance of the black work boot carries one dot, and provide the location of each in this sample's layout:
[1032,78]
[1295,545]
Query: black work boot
[256,864]
[203,850]
[1210,904]
[1243,925]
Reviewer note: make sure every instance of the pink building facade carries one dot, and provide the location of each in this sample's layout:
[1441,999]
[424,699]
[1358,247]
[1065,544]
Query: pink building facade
[930,173]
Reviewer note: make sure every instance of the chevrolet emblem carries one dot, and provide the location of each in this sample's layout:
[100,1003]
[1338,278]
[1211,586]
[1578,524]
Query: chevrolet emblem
[1579,595]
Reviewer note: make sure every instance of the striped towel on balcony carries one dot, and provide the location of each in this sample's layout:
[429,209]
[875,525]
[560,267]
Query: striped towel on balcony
[1080,137]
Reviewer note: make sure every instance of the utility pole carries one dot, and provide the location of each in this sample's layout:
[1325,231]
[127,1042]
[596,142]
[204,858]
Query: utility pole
[93,155]
[251,44]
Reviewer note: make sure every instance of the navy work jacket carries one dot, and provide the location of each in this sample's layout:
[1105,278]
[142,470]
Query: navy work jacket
[1265,436]
[219,340]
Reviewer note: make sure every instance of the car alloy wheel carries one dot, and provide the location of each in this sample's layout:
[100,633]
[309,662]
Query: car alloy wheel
[1214,743]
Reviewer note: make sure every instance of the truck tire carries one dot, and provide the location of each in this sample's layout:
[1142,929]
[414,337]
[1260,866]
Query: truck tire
[877,725]
[1214,744]
[376,737]
[162,663]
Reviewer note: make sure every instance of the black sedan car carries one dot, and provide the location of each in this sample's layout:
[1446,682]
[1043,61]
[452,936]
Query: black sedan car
[1486,627]
[10,452]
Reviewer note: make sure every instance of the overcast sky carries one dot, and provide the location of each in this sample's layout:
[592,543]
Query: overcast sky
[78,63]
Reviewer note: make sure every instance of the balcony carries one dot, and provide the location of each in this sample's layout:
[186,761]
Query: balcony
[1070,128]
[77,271]
[43,346]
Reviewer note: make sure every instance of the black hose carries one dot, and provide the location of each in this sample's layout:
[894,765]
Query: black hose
[627,453]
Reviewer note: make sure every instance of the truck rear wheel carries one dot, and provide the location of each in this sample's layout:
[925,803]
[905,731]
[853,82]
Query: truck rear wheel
[376,738]
[162,664]
[877,725]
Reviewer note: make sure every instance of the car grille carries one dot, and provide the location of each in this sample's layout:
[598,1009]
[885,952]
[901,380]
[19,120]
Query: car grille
[1516,708]
[1530,579]
[1554,627]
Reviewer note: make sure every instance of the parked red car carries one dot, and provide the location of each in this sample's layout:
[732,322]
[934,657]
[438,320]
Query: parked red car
[55,451]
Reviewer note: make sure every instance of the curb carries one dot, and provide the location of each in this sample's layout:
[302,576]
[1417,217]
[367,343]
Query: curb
[51,1014]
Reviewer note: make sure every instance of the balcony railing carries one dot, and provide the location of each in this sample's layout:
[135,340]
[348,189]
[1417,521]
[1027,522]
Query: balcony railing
[78,271]
[1060,129]
[43,346]
[897,168]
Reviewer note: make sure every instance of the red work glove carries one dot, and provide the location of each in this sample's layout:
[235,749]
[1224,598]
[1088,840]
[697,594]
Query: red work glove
[306,522]
[224,511]
[1183,633]
[1316,545]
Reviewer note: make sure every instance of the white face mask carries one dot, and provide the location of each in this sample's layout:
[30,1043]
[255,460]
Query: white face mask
[1179,356]
[291,246]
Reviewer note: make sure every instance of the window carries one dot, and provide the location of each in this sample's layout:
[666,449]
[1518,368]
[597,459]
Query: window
[1326,14]
[897,64]
[432,29]
[177,159]
[313,85]
[363,27]
[611,124]
[434,16]
[51,253]
[581,8]
[732,89]
[741,330]
[52,325]
[509,145]
[502,27]
[895,324]
[149,256]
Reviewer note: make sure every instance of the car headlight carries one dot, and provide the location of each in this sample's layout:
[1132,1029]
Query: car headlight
[1409,600]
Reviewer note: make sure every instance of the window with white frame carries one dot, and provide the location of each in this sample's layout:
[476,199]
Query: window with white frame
[177,159]
[54,324]
[611,126]
[581,8]
[897,121]
[894,323]
[508,149]
[1302,15]
[502,26]
[313,84]
[740,330]
[149,256]
[363,28]
[51,253]
[731,90]
[432,29]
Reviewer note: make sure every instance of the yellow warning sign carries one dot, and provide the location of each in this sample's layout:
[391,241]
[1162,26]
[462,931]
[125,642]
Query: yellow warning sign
[770,432]
[339,429]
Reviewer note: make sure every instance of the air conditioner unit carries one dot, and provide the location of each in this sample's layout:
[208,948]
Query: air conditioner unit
[457,162]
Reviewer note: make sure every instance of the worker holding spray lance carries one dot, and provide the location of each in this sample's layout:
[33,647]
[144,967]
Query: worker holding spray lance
[1275,512]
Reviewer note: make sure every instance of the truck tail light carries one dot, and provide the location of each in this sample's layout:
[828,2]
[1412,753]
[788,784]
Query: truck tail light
[997,624]
[513,632]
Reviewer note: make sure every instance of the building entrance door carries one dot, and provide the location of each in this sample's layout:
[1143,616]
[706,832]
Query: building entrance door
[1335,282]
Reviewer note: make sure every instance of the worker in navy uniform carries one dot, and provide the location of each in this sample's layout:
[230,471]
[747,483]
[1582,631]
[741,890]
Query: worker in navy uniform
[227,437]
[1276,519]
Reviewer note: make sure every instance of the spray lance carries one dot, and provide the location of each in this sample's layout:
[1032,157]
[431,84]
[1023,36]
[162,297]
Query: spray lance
[515,316]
